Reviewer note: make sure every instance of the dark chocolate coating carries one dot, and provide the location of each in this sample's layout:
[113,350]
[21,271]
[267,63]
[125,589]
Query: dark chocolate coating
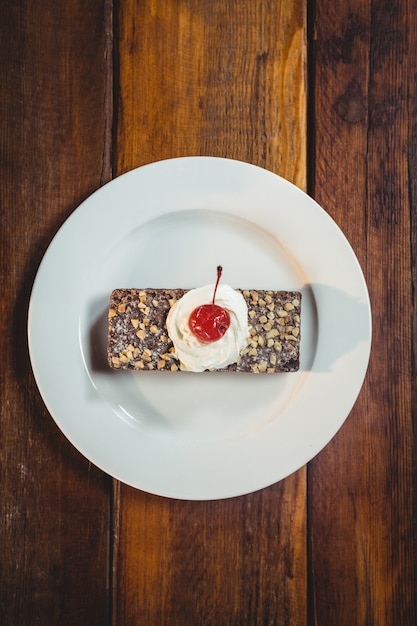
[138,337]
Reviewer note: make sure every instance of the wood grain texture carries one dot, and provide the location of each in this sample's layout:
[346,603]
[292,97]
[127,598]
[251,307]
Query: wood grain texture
[223,79]
[361,487]
[218,78]
[54,529]
[231,561]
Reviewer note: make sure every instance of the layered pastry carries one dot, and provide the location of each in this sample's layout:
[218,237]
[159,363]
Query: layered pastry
[211,328]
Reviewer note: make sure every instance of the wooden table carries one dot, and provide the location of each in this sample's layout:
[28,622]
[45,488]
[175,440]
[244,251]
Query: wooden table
[322,93]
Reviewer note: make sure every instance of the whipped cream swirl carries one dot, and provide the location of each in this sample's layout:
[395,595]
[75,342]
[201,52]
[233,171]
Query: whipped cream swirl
[196,356]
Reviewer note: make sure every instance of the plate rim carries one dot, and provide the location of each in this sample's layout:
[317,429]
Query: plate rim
[119,180]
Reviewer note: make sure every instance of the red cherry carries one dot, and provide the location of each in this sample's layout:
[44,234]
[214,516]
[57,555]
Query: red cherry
[209,322]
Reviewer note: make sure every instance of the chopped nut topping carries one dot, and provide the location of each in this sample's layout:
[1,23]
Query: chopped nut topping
[138,337]
[272,333]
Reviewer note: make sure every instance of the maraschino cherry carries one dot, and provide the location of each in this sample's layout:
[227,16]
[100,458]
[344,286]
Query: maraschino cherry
[209,322]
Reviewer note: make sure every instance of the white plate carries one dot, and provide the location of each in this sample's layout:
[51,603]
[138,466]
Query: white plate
[169,224]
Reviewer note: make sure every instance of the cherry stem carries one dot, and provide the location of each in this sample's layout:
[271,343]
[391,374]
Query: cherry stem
[219,273]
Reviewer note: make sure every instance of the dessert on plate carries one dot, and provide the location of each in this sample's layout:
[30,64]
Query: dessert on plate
[211,328]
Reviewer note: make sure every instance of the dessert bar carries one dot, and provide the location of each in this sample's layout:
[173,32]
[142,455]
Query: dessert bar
[138,338]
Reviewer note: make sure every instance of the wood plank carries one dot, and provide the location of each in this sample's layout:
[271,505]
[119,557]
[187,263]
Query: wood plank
[361,486]
[223,79]
[54,537]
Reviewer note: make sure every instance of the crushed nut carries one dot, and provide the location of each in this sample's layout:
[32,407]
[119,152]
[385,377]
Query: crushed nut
[289,337]
[272,333]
